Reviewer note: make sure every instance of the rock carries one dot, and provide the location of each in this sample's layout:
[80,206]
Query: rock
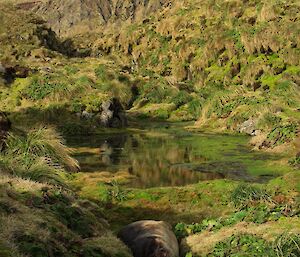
[150,238]
[86,115]
[256,132]
[5,126]
[112,114]
[68,18]
[248,127]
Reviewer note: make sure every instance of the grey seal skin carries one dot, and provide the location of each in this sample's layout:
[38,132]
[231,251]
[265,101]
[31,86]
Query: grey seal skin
[149,238]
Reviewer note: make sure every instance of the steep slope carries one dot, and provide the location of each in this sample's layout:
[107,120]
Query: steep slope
[22,33]
[231,62]
[73,17]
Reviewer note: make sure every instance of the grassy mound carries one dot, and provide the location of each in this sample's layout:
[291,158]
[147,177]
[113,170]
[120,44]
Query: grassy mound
[47,218]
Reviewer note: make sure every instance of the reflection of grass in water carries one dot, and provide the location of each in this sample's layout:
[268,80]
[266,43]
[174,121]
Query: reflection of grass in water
[159,158]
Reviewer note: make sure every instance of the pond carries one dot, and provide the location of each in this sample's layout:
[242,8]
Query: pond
[168,155]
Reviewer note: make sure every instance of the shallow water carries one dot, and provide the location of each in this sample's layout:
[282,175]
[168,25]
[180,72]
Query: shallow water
[168,155]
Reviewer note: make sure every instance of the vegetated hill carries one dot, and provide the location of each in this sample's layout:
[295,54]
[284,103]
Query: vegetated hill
[40,215]
[222,63]
[73,17]
[230,62]
[22,33]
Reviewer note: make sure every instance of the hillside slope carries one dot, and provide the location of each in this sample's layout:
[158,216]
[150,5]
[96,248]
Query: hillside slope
[231,65]
[230,62]
[77,17]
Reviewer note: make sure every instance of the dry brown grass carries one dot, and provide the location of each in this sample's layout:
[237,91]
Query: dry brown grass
[203,243]
[21,184]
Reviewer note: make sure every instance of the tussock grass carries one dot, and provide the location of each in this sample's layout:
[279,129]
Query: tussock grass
[245,194]
[39,155]
[287,244]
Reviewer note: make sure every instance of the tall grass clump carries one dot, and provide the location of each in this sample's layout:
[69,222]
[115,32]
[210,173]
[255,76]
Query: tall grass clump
[287,245]
[243,195]
[39,155]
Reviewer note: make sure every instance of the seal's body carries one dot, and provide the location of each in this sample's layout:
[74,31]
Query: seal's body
[150,238]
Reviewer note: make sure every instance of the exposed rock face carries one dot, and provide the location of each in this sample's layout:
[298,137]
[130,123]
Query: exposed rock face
[5,126]
[72,17]
[249,127]
[150,238]
[113,114]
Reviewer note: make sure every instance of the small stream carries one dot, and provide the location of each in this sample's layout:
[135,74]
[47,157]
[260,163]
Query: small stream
[163,154]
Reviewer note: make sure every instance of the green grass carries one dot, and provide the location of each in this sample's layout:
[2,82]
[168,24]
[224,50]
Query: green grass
[251,245]
[282,134]
[40,89]
[242,246]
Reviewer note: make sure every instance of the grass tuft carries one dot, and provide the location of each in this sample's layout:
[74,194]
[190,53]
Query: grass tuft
[246,194]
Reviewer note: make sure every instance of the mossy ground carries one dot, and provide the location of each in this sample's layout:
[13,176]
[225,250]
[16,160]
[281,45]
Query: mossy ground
[168,203]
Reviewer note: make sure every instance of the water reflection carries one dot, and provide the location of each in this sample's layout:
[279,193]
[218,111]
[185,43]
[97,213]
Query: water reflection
[169,159]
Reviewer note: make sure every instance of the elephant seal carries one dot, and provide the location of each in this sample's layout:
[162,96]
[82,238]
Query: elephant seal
[149,238]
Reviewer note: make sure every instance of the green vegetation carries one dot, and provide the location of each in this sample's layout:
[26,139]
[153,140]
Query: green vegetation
[250,245]
[39,155]
[39,90]
[222,64]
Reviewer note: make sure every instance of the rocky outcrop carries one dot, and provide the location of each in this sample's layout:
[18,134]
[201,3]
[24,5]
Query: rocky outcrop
[249,127]
[148,238]
[71,17]
[5,126]
[112,114]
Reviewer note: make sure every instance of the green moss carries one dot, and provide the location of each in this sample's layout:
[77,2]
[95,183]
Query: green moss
[293,70]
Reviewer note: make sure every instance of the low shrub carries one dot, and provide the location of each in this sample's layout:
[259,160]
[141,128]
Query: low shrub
[243,245]
[181,98]
[287,245]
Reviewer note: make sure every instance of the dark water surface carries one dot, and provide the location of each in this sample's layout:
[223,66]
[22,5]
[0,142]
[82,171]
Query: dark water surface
[168,155]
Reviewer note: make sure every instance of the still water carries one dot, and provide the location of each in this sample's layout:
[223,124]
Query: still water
[168,155]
